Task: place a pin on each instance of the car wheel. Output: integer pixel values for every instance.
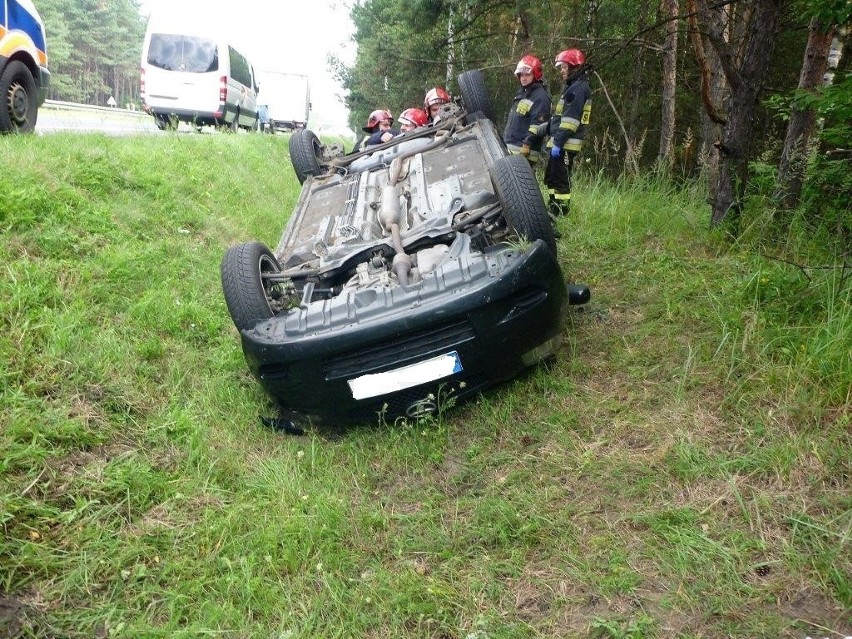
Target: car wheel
(475, 95)
(248, 295)
(306, 152)
(520, 196)
(19, 93)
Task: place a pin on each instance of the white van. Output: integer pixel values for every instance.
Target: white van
(195, 76)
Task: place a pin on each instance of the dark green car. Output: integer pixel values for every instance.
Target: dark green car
(410, 275)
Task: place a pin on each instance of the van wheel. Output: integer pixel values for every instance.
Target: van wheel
(250, 297)
(306, 152)
(19, 94)
(475, 94)
(166, 122)
(523, 204)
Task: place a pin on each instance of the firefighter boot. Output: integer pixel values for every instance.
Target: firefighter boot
(559, 207)
(553, 217)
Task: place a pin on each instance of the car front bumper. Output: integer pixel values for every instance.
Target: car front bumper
(346, 369)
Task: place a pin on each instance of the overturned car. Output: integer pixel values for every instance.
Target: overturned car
(410, 275)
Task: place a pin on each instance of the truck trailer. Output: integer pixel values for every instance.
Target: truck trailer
(287, 97)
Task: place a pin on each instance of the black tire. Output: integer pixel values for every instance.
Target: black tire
(475, 96)
(305, 153)
(19, 95)
(166, 122)
(246, 293)
(523, 204)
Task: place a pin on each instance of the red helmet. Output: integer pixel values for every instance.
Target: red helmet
(571, 57)
(529, 64)
(437, 95)
(379, 115)
(414, 117)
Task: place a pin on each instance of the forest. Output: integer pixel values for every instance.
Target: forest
(93, 49)
(754, 96)
(737, 92)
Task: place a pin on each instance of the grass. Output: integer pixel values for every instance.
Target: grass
(680, 469)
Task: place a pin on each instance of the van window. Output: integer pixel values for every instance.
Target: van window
(183, 53)
(240, 70)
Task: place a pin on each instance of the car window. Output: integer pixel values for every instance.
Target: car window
(239, 67)
(183, 53)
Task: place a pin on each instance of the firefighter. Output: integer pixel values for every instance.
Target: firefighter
(567, 128)
(433, 101)
(530, 111)
(411, 119)
(379, 123)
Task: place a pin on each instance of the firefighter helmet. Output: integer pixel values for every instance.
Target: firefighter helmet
(529, 64)
(377, 116)
(438, 95)
(414, 117)
(571, 57)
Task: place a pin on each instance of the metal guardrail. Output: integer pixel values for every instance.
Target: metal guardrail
(73, 106)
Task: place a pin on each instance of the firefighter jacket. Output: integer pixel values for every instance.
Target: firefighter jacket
(530, 108)
(376, 137)
(572, 114)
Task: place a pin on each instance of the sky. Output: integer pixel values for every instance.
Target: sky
(289, 36)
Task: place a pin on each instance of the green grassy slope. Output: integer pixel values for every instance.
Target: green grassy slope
(681, 469)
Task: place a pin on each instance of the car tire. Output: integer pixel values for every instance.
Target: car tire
(19, 95)
(520, 196)
(305, 153)
(246, 294)
(474, 94)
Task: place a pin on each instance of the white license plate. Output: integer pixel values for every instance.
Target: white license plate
(376, 384)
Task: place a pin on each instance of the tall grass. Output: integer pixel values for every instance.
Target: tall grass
(680, 469)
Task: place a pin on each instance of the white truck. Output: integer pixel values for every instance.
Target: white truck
(287, 97)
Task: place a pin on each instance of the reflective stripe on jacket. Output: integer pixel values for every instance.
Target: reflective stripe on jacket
(572, 115)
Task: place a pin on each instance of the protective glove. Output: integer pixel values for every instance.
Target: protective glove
(525, 151)
(555, 151)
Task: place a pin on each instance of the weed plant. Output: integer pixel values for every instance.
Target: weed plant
(680, 469)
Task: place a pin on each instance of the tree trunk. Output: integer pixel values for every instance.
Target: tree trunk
(638, 86)
(791, 168)
(713, 94)
(745, 65)
(711, 130)
(451, 48)
(667, 125)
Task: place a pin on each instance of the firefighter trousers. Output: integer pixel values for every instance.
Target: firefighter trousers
(557, 179)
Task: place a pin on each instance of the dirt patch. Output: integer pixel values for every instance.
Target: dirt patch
(816, 614)
(11, 611)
